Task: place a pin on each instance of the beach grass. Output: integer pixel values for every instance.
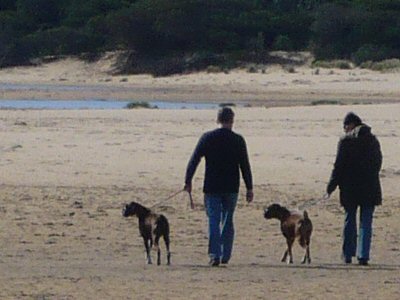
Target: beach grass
(140, 104)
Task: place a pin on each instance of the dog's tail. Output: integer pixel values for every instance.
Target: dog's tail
(305, 230)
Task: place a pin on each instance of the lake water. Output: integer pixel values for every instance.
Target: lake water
(96, 104)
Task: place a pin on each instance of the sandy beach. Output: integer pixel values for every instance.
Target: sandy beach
(270, 85)
(66, 174)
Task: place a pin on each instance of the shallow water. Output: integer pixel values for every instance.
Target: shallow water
(96, 104)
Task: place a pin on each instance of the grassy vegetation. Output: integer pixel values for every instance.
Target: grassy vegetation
(140, 104)
(337, 64)
(384, 65)
(326, 102)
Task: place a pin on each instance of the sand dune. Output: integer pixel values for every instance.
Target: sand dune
(65, 176)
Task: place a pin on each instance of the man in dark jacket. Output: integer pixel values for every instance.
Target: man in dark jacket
(356, 172)
(225, 153)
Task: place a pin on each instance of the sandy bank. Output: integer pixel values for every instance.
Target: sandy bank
(74, 79)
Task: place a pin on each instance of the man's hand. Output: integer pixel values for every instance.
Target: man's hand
(249, 196)
(188, 187)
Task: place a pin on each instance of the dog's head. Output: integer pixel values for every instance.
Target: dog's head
(130, 209)
(273, 211)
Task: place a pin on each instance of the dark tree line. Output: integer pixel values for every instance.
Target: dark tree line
(360, 30)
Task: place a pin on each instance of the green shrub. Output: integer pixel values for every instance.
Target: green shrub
(385, 65)
(214, 69)
(141, 104)
(58, 41)
(252, 69)
(371, 53)
(366, 64)
(289, 69)
(338, 64)
(326, 102)
(282, 42)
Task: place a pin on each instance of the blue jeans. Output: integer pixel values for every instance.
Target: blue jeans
(220, 209)
(350, 232)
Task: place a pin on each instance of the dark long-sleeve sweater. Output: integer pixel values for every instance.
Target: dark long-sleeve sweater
(225, 153)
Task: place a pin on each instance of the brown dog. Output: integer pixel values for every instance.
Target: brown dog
(293, 225)
(150, 224)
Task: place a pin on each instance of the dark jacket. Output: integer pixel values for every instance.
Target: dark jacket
(225, 152)
(356, 169)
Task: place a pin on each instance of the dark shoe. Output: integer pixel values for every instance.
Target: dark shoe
(363, 262)
(346, 260)
(224, 262)
(213, 262)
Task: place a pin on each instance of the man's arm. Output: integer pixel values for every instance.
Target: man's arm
(194, 161)
(245, 168)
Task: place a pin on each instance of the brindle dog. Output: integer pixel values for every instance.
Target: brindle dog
(293, 225)
(150, 224)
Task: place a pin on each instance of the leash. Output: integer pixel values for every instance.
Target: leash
(314, 202)
(172, 196)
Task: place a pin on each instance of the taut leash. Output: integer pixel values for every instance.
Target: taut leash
(166, 199)
(172, 196)
(314, 202)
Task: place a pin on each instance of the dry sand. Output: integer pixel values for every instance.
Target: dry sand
(65, 176)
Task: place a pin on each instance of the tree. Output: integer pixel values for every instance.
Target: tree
(7, 5)
(39, 14)
(333, 32)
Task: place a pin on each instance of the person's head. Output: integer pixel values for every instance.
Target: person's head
(351, 120)
(225, 117)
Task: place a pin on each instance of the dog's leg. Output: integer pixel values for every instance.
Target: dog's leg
(147, 246)
(284, 256)
(166, 240)
(290, 244)
(306, 255)
(156, 244)
(304, 258)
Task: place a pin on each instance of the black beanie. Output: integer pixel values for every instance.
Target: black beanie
(352, 118)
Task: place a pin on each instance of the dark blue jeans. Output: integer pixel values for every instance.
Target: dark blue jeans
(220, 209)
(350, 232)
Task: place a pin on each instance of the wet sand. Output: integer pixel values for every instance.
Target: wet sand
(65, 176)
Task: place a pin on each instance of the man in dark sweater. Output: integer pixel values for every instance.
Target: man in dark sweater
(225, 153)
(356, 172)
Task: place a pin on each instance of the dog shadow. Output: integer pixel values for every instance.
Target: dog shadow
(332, 266)
(320, 266)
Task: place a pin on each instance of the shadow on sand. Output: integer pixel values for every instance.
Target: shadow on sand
(322, 266)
